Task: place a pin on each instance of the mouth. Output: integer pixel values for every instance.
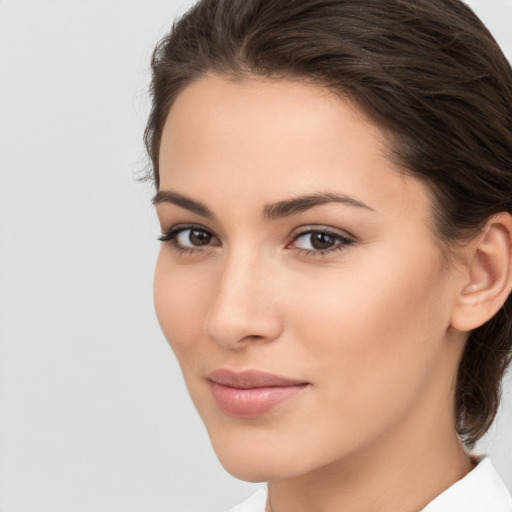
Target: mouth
(251, 393)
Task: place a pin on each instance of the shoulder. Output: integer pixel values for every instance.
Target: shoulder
(254, 503)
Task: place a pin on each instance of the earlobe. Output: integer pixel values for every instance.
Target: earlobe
(488, 276)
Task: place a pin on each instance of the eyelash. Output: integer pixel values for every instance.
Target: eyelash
(342, 241)
(171, 235)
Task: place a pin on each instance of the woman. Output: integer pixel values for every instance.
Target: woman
(334, 191)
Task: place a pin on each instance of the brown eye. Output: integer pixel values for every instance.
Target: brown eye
(198, 237)
(193, 237)
(189, 239)
(321, 241)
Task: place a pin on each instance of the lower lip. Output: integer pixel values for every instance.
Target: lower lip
(251, 403)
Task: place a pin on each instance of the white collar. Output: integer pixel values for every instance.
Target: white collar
(481, 490)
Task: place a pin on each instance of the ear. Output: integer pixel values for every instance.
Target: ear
(487, 278)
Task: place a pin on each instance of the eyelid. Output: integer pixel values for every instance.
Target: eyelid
(344, 241)
(169, 235)
(321, 228)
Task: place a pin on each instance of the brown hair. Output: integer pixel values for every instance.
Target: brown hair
(427, 72)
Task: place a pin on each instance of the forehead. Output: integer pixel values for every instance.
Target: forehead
(269, 139)
(216, 106)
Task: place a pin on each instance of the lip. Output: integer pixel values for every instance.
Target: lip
(251, 393)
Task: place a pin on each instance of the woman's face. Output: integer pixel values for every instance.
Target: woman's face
(294, 248)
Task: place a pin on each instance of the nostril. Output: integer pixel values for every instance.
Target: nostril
(235, 328)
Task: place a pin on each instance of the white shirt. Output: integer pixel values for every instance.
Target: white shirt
(481, 490)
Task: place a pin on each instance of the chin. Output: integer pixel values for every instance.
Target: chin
(248, 472)
(252, 469)
(246, 459)
(258, 457)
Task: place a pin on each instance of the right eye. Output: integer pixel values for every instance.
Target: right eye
(189, 238)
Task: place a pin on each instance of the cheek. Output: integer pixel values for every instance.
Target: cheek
(370, 335)
(179, 304)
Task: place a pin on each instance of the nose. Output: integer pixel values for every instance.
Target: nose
(244, 309)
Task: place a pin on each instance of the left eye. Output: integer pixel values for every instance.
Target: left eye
(320, 241)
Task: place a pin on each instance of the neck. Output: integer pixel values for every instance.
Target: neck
(366, 486)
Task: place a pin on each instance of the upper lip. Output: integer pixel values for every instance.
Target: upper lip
(250, 379)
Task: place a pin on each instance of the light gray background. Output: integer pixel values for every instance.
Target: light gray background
(94, 415)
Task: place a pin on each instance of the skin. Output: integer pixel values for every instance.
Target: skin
(367, 326)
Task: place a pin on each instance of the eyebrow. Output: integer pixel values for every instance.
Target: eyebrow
(299, 204)
(271, 212)
(169, 196)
